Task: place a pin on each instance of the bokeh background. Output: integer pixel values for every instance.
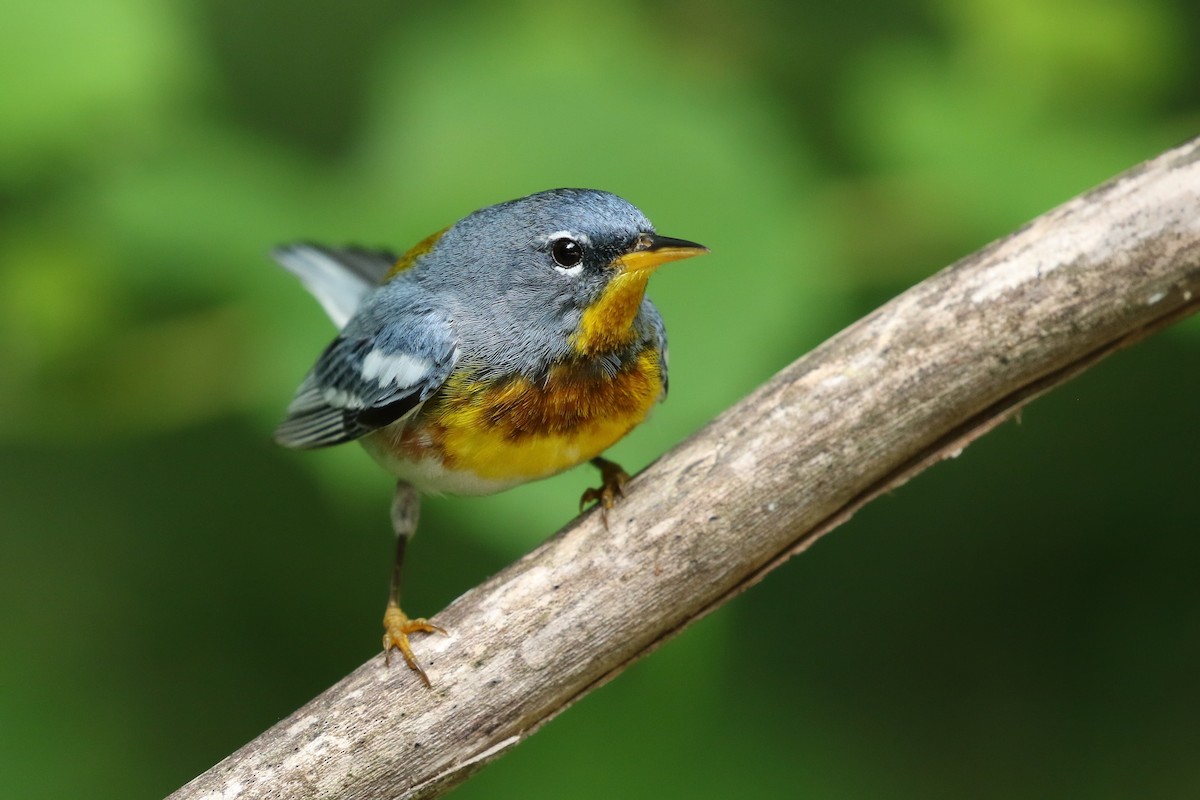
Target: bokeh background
(1022, 621)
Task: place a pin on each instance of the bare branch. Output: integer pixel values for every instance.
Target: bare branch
(910, 384)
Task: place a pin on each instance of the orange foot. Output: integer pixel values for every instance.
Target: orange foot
(612, 486)
(397, 626)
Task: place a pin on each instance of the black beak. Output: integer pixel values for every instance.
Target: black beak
(653, 250)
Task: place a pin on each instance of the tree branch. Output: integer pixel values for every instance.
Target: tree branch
(910, 384)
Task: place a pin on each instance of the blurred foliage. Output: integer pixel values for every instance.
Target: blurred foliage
(1023, 621)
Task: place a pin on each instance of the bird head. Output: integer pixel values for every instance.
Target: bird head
(565, 266)
(583, 254)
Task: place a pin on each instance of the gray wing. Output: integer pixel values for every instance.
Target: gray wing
(387, 361)
(659, 330)
(339, 277)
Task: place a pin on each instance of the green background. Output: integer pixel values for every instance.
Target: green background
(1022, 621)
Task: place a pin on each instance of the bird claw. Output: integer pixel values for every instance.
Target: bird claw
(397, 626)
(612, 486)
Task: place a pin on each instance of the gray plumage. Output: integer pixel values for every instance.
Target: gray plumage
(489, 297)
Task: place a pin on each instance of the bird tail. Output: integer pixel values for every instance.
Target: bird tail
(338, 277)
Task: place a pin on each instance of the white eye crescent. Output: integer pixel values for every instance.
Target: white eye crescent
(567, 250)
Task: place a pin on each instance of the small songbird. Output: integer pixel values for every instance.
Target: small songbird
(514, 344)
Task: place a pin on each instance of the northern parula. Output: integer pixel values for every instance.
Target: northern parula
(510, 346)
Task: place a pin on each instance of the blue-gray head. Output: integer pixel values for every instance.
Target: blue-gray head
(568, 262)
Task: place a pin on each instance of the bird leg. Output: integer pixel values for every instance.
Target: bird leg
(406, 507)
(612, 486)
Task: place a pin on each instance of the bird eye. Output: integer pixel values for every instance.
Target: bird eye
(566, 252)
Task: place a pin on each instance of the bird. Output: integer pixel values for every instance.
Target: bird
(508, 347)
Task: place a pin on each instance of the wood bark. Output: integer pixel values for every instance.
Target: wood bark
(908, 385)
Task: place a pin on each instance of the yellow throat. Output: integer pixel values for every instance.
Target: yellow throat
(607, 324)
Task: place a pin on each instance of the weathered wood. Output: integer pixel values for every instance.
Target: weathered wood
(908, 385)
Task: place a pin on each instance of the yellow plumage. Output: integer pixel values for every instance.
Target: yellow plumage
(514, 430)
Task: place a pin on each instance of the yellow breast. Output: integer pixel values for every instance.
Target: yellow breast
(515, 430)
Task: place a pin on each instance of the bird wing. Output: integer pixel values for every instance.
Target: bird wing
(339, 277)
(658, 330)
(388, 360)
